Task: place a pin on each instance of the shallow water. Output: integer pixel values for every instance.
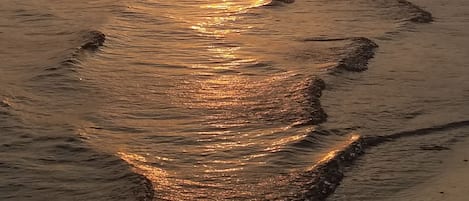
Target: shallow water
(418, 80)
(209, 100)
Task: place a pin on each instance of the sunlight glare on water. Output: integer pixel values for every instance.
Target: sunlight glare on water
(209, 99)
(223, 108)
(202, 132)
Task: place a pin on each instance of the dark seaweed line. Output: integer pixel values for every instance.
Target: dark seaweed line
(377, 140)
(328, 174)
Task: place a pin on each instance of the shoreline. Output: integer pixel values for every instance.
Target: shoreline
(450, 180)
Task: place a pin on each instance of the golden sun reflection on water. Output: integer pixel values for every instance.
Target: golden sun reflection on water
(230, 5)
(162, 179)
(152, 173)
(217, 93)
(333, 153)
(218, 25)
(229, 100)
(222, 14)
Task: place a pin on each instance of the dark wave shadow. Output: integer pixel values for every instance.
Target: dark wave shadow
(90, 41)
(93, 40)
(279, 2)
(355, 59)
(418, 15)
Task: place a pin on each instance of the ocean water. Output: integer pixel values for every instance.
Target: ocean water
(227, 99)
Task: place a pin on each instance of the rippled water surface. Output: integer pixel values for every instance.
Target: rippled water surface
(209, 99)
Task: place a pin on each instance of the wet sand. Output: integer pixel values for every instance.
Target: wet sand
(452, 182)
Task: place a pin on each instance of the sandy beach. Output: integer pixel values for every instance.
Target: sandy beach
(452, 182)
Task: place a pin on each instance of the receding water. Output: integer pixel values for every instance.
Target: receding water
(210, 99)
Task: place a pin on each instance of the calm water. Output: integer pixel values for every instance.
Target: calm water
(208, 99)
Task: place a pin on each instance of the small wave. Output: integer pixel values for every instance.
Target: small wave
(89, 42)
(322, 180)
(357, 60)
(314, 92)
(325, 176)
(279, 2)
(5, 103)
(354, 56)
(93, 40)
(418, 15)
